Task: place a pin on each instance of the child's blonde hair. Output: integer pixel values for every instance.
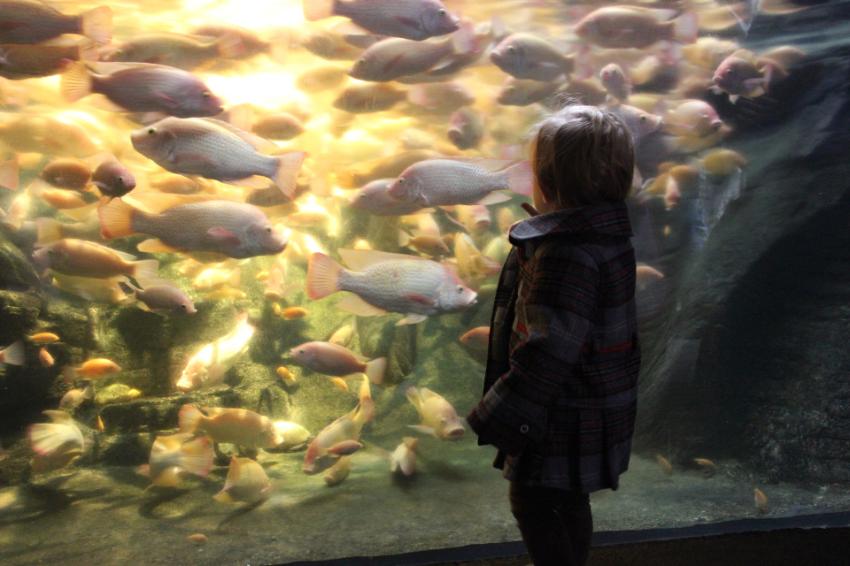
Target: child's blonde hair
(583, 155)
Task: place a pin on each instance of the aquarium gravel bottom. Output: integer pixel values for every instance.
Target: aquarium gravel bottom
(106, 516)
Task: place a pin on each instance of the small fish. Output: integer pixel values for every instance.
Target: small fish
(636, 27)
(235, 426)
(286, 375)
(342, 336)
(443, 182)
(293, 313)
(466, 128)
(743, 74)
(440, 98)
(197, 538)
(692, 118)
(429, 244)
(45, 358)
(384, 167)
(67, 174)
(708, 52)
(477, 338)
(366, 98)
(227, 228)
(56, 444)
(13, 354)
(395, 58)
(113, 179)
(175, 455)
(646, 274)
(321, 78)
(73, 398)
(214, 150)
(87, 259)
(293, 434)
(162, 298)
(336, 360)
(528, 56)
(92, 369)
(410, 19)
(375, 199)
(664, 464)
(723, 162)
(439, 418)
(709, 468)
(28, 21)
(382, 282)
(522, 92)
(99, 425)
(43, 338)
(31, 61)
(280, 126)
(59, 199)
(106, 290)
(217, 276)
(760, 500)
(475, 218)
(175, 50)
(616, 82)
(246, 482)
(337, 473)
(497, 249)
(403, 458)
(340, 383)
(247, 42)
(207, 366)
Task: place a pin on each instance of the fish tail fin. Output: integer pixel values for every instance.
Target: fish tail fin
(116, 219)
(197, 456)
(288, 166)
(14, 354)
(145, 271)
(520, 178)
(686, 28)
(96, 24)
(76, 82)
(223, 497)
(230, 46)
(128, 288)
(10, 174)
(189, 418)
(47, 438)
(89, 51)
(376, 369)
(318, 9)
(49, 230)
(322, 276)
(464, 41)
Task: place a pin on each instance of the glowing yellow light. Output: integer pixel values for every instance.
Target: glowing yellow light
(256, 15)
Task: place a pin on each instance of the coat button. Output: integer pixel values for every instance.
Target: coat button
(524, 429)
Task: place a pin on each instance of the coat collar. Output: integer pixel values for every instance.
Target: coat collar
(607, 218)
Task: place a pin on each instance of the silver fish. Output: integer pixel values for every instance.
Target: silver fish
(522, 92)
(162, 298)
(409, 19)
(374, 198)
(29, 21)
(466, 128)
(526, 56)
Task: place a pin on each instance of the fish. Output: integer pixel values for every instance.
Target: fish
(477, 338)
(708, 52)
(217, 276)
(497, 249)
(505, 218)
(197, 538)
(466, 128)
(321, 78)
(280, 126)
(664, 464)
(235, 426)
(439, 418)
(342, 336)
(67, 173)
(382, 282)
(323, 450)
(45, 357)
(60, 199)
(472, 265)
(709, 468)
(329, 44)
(175, 455)
(375, 199)
(246, 482)
(43, 338)
(440, 97)
(208, 365)
(616, 82)
(410, 19)
(99, 425)
(475, 218)
(383, 168)
(337, 473)
(92, 369)
(56, 444)
(636, 27)
(692, 118)
(340, 383)
(46, 134)
(88, 259)
(429, 244)
(175, 50)
(743, 74)
(106, 290)
(143, 87)
(723, 162)
(641, 124)
(528, 56)
(292, 434)
(522, 92)
(73, 398)
(293, 313)
(113, 179)
(394, 58)
(646, 274)
(403, 458)
(30, 21)
(164, 298)
(760, 500)
(32, 61)
(286, 375)
(366, 98)
(227, 228)
(14, 354)
(444, 182)
(248, 43)
(214, 150)
(336, 360)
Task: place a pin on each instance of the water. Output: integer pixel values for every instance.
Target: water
(743, 336)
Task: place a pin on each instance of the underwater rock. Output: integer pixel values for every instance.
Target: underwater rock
(130, 449)
(16, 271)
(380, 337)
(19, 312)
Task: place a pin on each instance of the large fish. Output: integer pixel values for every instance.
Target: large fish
(30, 21)
(383, 282)
(526, 56)
(336, 360)
(410, 19)
(246, 482)
(208, 365)
(444, 182)
(28, 61)
(375, 199)
(439, 418)
(142, 87)
(55, 444)
(232, 229)
(174, 455)
(215, 150)
(234, 426)
(636, 27)
(176, 50)
(88, 259)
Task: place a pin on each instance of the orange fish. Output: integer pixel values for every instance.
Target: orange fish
(477, 338)
(292, 313)
(664, 464)
(339, 383)
(197, 538)
(44, 338)
(760, 500)
(97, 368)
(286, 375)
(45, 358)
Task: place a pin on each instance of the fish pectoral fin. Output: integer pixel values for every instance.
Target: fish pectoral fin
(424, 430)
(421, 299)
(495, 198)
(411, 319)
(221, 235)
(155, 246)
(355, 305)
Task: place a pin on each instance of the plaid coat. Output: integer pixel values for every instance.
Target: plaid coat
(560, 389)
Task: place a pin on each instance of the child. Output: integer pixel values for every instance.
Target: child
(561, 380)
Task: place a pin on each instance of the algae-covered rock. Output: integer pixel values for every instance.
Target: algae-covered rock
(128, 449)
(380, 337)
(16, 271)
(19, 312)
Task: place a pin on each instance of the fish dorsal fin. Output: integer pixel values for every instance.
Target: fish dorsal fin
(255, 141)
(110, 67)
(359, 260)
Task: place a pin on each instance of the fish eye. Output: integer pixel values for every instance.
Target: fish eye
(460, 289)
(268, 230)
(401, 179)
(301, 351)
(206, 94)
(643, 118)
(441, 11)
(511, 49)
(151, 131)
(184, 307)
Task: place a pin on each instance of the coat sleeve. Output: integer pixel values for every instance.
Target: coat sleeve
(553, 321)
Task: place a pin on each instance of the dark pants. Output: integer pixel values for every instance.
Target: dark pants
(556, 524)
